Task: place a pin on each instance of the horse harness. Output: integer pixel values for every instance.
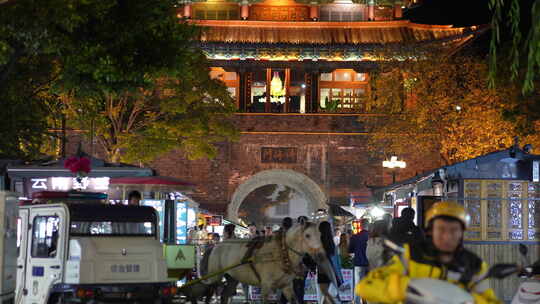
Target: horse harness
(258, 242)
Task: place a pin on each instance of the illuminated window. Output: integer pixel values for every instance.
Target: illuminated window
(500, 210)
(230, 75)
(45, 236)
(343, 76)
(326, 77)
(361, 77)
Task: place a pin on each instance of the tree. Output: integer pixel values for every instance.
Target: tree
(31, 39)
(111, 62)
(523, 51)
(447, 109)
(190, 113)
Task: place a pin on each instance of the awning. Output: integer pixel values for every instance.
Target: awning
(219, 209)
(153, 183)
(337, 210)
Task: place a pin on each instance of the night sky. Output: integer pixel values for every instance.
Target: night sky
(466, 13)
(456, 12)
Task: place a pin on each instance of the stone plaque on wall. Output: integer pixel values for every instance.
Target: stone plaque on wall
(279, 155)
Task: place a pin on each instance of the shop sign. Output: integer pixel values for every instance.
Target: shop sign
(99, 184)
(216, 220)
(279, 155)
(255, 294)
(346, 293)
(180, 256)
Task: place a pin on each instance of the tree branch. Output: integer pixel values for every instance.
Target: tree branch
(8, 67)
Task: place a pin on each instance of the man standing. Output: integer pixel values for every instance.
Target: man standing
(134, 198)
(405, 231)
(357, 248)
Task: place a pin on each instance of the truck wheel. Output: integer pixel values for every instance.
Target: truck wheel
(56, 298)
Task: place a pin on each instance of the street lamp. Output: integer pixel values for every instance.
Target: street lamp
(392, 164)
(437, 183)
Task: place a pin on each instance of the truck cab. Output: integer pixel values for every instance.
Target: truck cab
(71, 249)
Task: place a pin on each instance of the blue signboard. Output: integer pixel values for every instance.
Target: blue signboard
(181, 222)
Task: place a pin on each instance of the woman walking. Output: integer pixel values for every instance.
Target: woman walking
(327, 240)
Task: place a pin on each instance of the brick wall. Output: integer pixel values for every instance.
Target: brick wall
(330, 149)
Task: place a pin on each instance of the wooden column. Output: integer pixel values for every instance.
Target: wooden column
(314, 11)
(187, 10)
(242, 107)
(371, 10)
(287, 83)
(268, 105)
(244, 10)
(398, 12)
(307, 99)
(249, 82)
(314, 91)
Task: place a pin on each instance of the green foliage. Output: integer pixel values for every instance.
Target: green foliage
(125, 71)
(448, 111)
(521, 50)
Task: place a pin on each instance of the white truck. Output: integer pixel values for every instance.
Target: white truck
(65, 249)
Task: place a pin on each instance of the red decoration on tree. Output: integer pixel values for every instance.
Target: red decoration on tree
(78, 165)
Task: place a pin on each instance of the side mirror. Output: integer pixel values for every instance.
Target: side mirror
(501, 271)
(523, 249)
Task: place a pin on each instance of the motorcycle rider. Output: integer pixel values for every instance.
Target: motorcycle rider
(440, 256)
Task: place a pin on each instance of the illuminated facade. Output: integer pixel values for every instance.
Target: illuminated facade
(321, 53)
(301, 77)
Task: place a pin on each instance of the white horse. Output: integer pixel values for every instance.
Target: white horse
(274, 264)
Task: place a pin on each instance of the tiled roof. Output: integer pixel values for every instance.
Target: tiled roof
(270, 32)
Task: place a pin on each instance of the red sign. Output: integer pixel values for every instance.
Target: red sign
(216, 220)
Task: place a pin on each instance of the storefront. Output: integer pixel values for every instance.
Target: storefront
(500, 191)
(27, 179)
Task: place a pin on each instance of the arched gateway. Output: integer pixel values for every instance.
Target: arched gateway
(303, 184)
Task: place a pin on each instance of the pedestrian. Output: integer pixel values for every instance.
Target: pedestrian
(215, 238)
(252, 230)
(268, 231)
(337, 236)
(327, 241)
(375, 245)
(228, 232)
(387, 218)
(357, 248)
(404, 230)
(286, 223)
(134, 198)
(344, 249)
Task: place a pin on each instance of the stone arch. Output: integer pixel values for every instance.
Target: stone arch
(298, 181)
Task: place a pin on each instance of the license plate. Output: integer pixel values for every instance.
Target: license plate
(115, 295)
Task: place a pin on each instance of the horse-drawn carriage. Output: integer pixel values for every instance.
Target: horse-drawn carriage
(269, 263)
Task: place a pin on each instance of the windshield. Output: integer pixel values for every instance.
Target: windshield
(112, 220)
(106, 228)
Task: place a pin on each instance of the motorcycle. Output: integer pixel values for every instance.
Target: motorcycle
(529, 290)
(433, 291)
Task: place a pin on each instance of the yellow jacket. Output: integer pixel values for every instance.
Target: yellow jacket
(387, 284)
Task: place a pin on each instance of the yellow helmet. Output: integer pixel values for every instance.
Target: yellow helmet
(450, 209)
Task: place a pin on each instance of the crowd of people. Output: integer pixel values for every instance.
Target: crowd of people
(434, 250)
